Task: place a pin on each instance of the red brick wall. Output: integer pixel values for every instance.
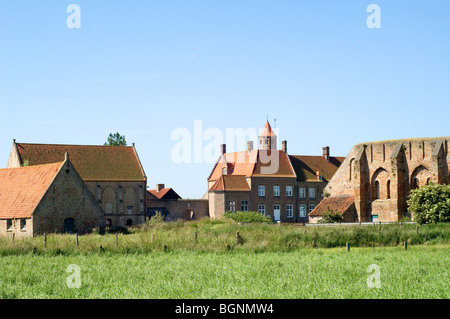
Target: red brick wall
(182, 208)
(398, 162)
(269, 200)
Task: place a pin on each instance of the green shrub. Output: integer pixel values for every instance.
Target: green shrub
(331, 216)
(248, 217)
(430, 204)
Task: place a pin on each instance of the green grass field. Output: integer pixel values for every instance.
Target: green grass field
(420, 272)
(273, 262)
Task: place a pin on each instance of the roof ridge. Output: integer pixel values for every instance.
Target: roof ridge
(215, 165)
(33, 166)
(88, 145)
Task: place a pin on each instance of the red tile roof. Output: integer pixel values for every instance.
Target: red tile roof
(339, 204)
(267, 130)
(93, 163)
(273, 163)
(253, 164)
(21, 189)
(306, 167)
(165, 193)
(230, 183)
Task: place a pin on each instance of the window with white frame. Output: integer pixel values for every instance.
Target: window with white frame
(312, 193)
(9, 226)
(262, 209)
(261, 190)
(232, 206)
(302, 210)
(276, 191)
(311, 207)
(289, 211)
(289, 191)
(302, 192)
(244, 206)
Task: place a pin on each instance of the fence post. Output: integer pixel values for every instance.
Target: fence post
(417, 229)
(406, 245)
(12, 236)
(76, 239)
(348, 246)
(195, 237)
(239, 239)
(45, 240)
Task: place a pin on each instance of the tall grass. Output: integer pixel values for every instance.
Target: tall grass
(220, 235)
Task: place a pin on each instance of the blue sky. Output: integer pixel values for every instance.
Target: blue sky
(146, 68)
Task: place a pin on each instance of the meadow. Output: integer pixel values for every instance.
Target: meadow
(420, 272)
(202, 259)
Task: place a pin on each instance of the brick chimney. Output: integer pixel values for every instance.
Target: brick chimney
(326, 152)
(318, 176)
(250, 146)
(284, 146)
(223, 149)
(66, 159)
(159, 187)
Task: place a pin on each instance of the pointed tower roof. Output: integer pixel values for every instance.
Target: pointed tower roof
(267, 130)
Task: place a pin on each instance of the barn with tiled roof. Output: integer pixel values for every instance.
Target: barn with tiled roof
(44, 199)
(113, 174)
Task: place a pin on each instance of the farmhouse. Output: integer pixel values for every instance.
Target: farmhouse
(45, 199)
(113, 174)
(284, 187)
(375, 179)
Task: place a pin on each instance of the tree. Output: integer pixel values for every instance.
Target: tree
(116, 140)
(430, 204)
(331, 216)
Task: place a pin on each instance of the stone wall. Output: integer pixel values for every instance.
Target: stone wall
(67, 197)
(380, 175)
(122, 202)
(16, 227)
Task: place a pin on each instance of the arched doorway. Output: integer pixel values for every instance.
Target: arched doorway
(420, 177)
(69, 225)
(380, 184)
(129, 222)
